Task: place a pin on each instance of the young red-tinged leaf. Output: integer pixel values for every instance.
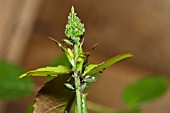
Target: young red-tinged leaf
(100, 67)
(48, 71)
(54, 97)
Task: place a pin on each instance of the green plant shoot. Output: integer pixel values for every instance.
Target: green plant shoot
(78, 75)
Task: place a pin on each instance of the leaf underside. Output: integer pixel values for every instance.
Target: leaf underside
(54, 97)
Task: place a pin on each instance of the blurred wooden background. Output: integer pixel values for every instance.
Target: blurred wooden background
(139, 27)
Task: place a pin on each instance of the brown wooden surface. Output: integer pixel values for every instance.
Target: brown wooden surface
(17, 20)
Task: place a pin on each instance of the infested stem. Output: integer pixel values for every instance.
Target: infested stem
(77, 82)
(78, 93)
(74, 31)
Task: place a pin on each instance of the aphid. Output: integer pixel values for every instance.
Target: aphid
(100, 71)
(68, 42)
(89, 79)
(83, 86)
(48, 75)
(68, 85)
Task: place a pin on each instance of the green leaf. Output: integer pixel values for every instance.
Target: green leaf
(30, 108)
(48, 71)
(144, 90)
(60, 60)
(54, 97)
(89, 68)
(80, 61)
(68, 52)
(94, 69)
(11, 87)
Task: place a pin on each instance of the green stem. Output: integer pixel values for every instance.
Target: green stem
(77, 79)
(78, 93)
(76, 50)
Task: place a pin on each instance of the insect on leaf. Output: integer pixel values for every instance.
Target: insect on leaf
(48, 71)
(94, 69)
(84, 106)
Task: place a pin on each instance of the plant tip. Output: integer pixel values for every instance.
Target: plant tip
(72, 9)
